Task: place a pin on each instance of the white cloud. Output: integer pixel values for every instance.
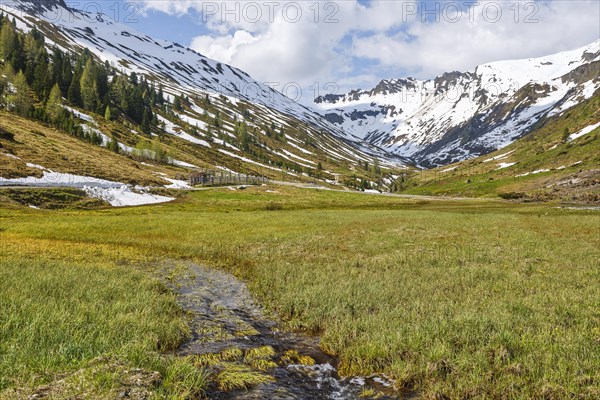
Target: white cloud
(222, 48)
(172, 7)
(273, 48)
(445, 46)
(297, 46)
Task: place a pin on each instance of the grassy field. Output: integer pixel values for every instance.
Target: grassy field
(462, 299)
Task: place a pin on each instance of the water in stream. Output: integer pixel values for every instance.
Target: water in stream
(225, 317)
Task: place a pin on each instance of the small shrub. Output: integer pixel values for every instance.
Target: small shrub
(6, 135)
(273, 207)
(512, 195)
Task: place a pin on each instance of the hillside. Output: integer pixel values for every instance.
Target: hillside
(462, 115)
(159, 104)
(560, 160)
(101, 95)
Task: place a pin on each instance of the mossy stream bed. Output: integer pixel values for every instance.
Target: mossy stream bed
(249, 357)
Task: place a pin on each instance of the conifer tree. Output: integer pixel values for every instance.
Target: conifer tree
(56, 66)
(146, 119)
(21, 100)
(3, 85)
(133, 78)
(42, 76)
(54, 103)
(66, 75)
(88, 86)
(101, 78)
(160, 97)
(566, 134)
(9, 42)
(74, 91)
(135, 105)
(177, 103)
(376, 167)
(113, 145)
(160, 154)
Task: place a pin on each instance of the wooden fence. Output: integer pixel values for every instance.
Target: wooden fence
(209, 178)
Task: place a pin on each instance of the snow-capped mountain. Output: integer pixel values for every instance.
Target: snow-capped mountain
(182, 71)
(461, 115)
(133, 51)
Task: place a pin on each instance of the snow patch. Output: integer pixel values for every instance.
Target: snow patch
(176, 184)
(583, 132)
(175, 130)
(192, 121)
(247, 160)
(184, 164)
(447, 169)
(505, 165)
(79, 114)
(116, 194)
(500, 157)
(125, 196)
(58, 179)
(539, 171)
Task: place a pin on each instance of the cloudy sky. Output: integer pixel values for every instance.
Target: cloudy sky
(356, 43)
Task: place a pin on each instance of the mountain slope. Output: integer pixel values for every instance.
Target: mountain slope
(559, 160)
(463, 115)
(284, 137)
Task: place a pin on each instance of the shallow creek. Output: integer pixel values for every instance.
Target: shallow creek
(225, 317)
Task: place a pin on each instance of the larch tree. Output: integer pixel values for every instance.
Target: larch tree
(88, 86)
(21, 100)
(9, 42)
(54, 103)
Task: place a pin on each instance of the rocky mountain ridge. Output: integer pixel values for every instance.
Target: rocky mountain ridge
(461, 115)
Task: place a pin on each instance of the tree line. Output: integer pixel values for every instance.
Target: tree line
(35, 83)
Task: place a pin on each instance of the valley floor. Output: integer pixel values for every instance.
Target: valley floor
(454, 299)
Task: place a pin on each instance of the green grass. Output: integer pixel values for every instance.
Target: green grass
(50, 198)
(80, 327)
(479, 299)
(36, 143)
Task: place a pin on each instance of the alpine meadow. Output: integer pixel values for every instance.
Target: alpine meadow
(180, 221)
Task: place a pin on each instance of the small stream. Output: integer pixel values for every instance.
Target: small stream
(581, 207)
(225, 317)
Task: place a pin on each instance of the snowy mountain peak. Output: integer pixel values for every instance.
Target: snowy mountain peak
(460, 115)
(38, 6)
(179, 68)
(217, 96)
